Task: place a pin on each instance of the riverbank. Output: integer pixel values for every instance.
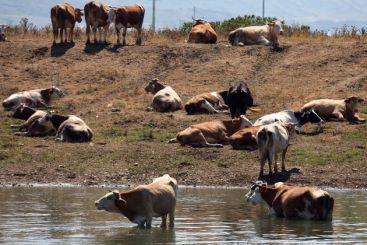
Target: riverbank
(129, 145)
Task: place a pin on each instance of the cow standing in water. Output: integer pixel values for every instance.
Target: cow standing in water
(64, 16)
(127, 17)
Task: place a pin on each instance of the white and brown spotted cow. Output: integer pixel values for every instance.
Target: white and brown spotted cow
(33, 98)
(338, 109)
(141, 204)
(202, 32)
(210, 134)
(68, 128)
(265, 35)
(64, 16)
(165, 99)
(127, 17)
(293, 201)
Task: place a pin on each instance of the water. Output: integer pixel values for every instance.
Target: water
(68, 216)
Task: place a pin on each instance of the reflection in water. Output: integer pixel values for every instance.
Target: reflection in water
(68, 215)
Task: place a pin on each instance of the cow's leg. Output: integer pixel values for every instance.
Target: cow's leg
(100, 34)
(105, 30)
(164, 221)
(172, 218)
(209, 107)
(262, 163)
(95, 34)
(149, 222)
(264, 41)
(338, 115)
(88, 34)
(118, 36)
(56, 33)
(276, 163)
(61, 35)
(124, 36)
(283, 158)
(138, 39)
(270, 162)
(71, 34)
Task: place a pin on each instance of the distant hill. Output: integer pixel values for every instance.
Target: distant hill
(172, 13)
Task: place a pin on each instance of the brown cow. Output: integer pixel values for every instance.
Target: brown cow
(96, 16)
(202, 32)
(141, 204)
(245, 138)
(212, 102)
(127, 17)
(64, 16)
(210, 134)
(293, 201)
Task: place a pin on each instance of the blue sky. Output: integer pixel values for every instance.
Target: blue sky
(319, 14)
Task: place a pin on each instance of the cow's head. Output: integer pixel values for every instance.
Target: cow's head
(56, 93)
(154, 86)
(254, 195)
(111, 15)
(110, 202)
(198, 22)
(276, 26)
(78, 15)
(309, 116)
(352, 103)
(23, 112)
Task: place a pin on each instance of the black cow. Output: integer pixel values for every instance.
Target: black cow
(239, 99)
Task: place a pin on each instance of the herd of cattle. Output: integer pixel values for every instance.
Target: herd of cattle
(270, 134)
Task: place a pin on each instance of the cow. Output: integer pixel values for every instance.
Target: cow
(64, 16)
(3, 29)
(165, 98)
(141, 204)
(245, 138)
(96, 17)
(273, 139)
(202, 32)
(213, 102)
(127, 17)
(288, 116)
(210, 134)
(68, 128)
(339, 109)
(239, 99)
(293, 202)
(265, 35)
(33, 98)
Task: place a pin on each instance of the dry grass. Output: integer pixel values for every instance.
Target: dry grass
(129, 146)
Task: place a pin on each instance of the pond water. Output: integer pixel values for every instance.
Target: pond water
(203, 215)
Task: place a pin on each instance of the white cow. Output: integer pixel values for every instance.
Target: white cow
(273, 139)
(165, 98)
(265, 35)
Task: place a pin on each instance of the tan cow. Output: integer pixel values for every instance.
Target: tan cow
(293, 201)
(64, 16)
(339, 109)
(212, 102)
(202, 32)
(245, 138)
(265, 35)
(273, 139)
(3, 29)
(96, 17)
(141, 204)
(33, 98)
(126, 17)
(165, 98)
(210, 134)
(68, 128)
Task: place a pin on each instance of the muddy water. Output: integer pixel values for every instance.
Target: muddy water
(68, 216)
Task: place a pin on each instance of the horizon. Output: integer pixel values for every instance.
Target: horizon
(321, 15)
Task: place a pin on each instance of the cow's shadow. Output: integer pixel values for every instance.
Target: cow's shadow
(280, 177)
(115, 48)
(94, 48)
(59, 49)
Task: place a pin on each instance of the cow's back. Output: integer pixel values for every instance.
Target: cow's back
(63, 15)
(132, 15)
(166, 99)
(202, 33)
(163, 196)
(325, 107)
(282, 116)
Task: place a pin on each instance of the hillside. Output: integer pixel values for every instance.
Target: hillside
(130, 145)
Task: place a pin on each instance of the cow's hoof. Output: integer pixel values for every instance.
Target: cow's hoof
(87, 42)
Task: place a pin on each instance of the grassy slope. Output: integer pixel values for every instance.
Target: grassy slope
(129, 146)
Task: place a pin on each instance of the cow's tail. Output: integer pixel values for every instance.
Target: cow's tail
(264, 137)
(325, 205)
(142, 13)
(232, 37)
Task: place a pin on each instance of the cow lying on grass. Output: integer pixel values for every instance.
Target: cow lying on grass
(265, 35)
(144, 202)
(245, 138)
(33, 98)
(339, 109)
(212, 102)
(210, 134)
(273, 139)
(165, 99)
(68, 128)
(293, 201)
(202, 32)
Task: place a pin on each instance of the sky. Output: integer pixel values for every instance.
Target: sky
(319, 14)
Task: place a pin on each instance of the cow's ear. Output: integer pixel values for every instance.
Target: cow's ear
(121, 202)
(282, 22)
(347, 100)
